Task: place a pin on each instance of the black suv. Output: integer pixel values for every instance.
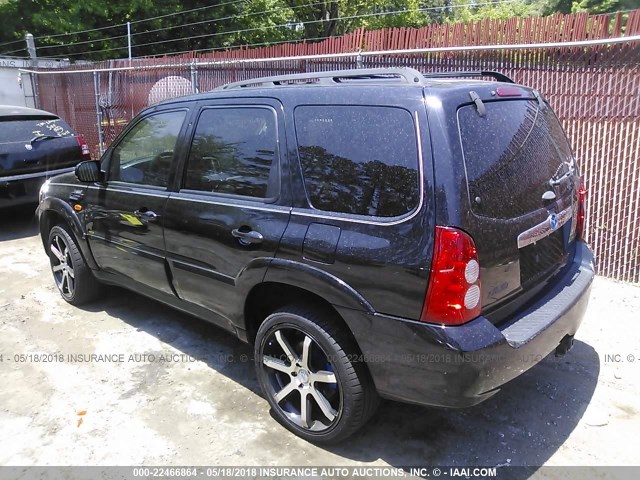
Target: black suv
(34, 145)
(374, 233)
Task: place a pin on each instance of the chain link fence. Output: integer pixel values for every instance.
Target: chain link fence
(593, 85)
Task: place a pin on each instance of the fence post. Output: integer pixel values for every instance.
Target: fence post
(28, 83)
(129, 40)
(96, 89)
(194, 78)
(33, 61)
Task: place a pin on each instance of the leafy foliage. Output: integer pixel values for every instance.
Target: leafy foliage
(604, 6)
(465, 13)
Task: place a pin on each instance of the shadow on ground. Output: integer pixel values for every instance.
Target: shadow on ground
(523, 425)
(18, 222)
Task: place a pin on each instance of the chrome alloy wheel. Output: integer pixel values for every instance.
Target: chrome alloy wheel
(301, 379)
(62, 265)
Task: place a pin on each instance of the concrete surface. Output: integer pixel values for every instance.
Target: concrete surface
(197, 402)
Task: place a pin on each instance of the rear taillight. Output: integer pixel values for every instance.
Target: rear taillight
(453, 294)
(580, 217)
(86, 153)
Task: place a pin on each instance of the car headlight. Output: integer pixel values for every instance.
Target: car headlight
(43, 190)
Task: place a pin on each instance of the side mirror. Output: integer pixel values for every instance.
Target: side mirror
(89, 171)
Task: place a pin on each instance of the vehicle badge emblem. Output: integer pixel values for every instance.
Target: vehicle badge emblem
(553, 221)
(28, 146)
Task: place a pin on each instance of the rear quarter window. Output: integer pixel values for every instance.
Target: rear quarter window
(358, 159)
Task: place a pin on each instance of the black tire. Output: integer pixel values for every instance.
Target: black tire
(331, 372)
(72, 276)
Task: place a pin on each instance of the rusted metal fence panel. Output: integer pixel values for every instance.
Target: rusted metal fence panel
(593, 87)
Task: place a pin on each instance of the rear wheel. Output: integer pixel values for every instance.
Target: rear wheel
(71, 274)
(309, 371)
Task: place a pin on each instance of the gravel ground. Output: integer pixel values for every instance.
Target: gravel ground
(186, 394)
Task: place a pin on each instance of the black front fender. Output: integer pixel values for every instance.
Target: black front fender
(52, 211)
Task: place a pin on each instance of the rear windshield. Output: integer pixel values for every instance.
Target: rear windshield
(23, 130)
(513, 155)
(359, 159)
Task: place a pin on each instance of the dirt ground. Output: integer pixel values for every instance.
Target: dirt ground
(185, 393)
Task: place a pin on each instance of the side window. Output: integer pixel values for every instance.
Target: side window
(234, 152)
(145, 155)
(358, 159)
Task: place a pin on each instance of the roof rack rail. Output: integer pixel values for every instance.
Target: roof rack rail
(487, 73)
(408, 75)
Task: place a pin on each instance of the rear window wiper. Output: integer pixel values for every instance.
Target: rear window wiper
(475, 98)
(571, 170)
(37, 138)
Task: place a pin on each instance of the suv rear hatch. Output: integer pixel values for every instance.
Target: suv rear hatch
(522, 183)
(37, 143)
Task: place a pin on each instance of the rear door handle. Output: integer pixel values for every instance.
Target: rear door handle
(146, 214)
(247, 238)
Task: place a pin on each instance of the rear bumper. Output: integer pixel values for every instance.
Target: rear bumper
(461, 366)
(24, 188)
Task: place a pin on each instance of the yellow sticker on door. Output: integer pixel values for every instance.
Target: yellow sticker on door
(131, 219)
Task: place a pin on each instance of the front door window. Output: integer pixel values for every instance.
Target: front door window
(145, 155)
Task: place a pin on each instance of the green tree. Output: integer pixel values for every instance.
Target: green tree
(51, 21)
(264, 22)
(549, 7)
(604, 6)
(336, 17)
(463, 11)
